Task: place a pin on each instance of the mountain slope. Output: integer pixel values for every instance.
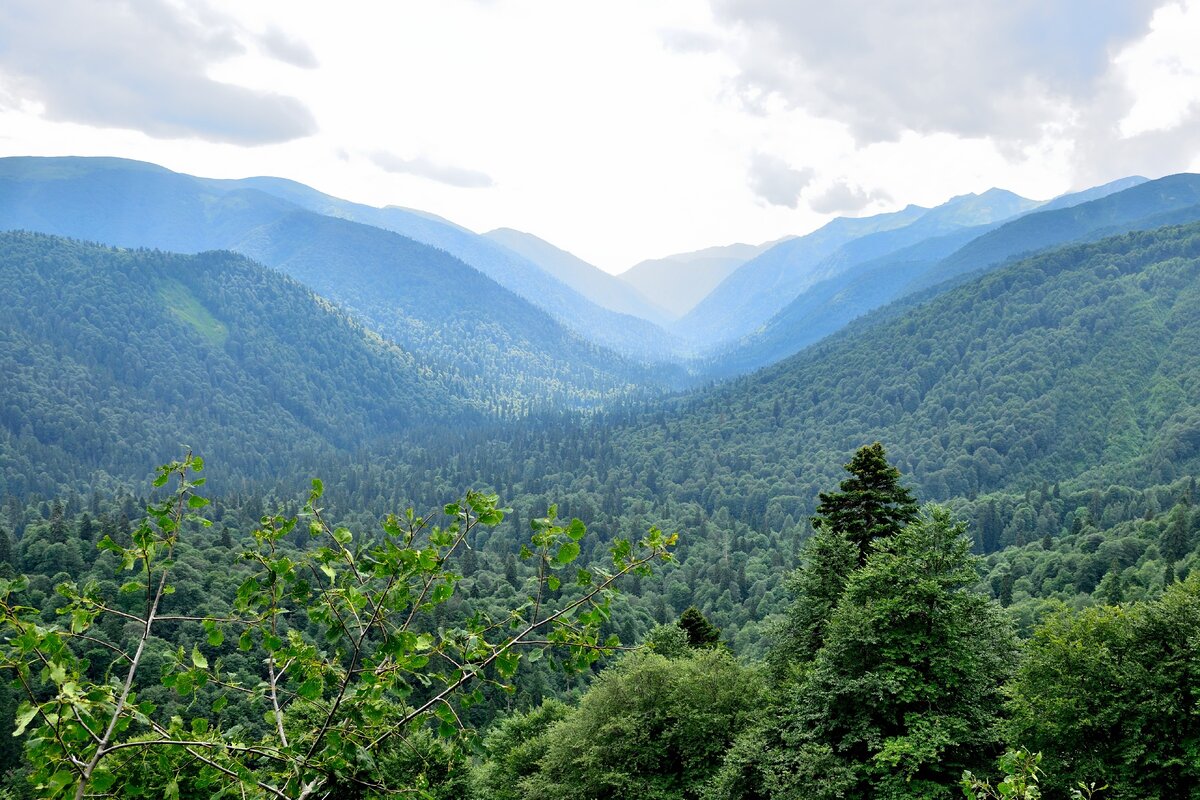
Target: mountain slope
(504, 351)
(619, 331)
(681, 281)
(829, 305)
(593, 283)
(1109, 215)
(764, 286)
(1078, 364)
(756, 290)
(115, 358)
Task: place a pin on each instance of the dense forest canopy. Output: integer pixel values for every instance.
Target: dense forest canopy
(814, 631)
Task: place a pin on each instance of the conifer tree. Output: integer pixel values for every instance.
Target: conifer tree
(700, 632)
(871, 503)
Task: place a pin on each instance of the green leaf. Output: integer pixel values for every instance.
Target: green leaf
(506, 663)
(198, 658)
(553, 582)
(24, 718)
(220, 704)
(196, 501)
(310, 689)
(102, 780)
(576, 529)
(567, 553)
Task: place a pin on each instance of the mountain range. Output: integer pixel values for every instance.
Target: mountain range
(546, 327)
(997, 348)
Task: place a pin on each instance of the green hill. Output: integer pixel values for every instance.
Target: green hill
(1078, 366)
(114, 359)
(504, 353)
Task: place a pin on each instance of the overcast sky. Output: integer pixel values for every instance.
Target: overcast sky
(623, 129)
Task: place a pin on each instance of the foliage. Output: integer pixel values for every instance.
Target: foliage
(668, 640)
(648, 727)
(1109, 694)
(336, 704)
(700, 632)
(514, 747)
(870, 505)
(905, 692)
(1022, 774)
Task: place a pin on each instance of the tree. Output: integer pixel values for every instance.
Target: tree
(649, 728)
(1175, 538)
(700, 632)
(7, 557)
(346, 662)
(905, 693)
(817, 586)
(514, 747)
(1109, 694)
(870, 505)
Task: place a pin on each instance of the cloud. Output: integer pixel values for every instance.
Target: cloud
(424, 168)
(967, 67)
(282, 47)
(142, 64)
(681, 40)
(842, 198)
(775, 181)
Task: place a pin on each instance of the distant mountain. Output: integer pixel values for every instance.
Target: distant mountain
(113, 360)
(1094, 193)
(1112, 214)
(1075, 365)
(595, 284)
(505, 353)
(832, 303)
(791, 268)
(620, 331)
(756, 290)
(679, 282)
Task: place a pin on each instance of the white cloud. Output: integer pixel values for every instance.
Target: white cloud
(141, 64)
(775, 181)
(842, 198)
(968, 67)
(424, 168)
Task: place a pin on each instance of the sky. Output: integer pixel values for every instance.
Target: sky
(621, 130)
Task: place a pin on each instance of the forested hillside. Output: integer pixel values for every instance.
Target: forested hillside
(1051, 403)
(509, 354)
(114, 358)
(1076, 364)
(903, 263)
(567, 302)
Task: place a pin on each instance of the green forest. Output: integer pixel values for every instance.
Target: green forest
(317, 659)
(950, 550)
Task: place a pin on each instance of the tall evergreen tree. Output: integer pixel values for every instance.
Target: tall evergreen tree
(700, 632)
(905, 693)
(828, 559)
(6, 551)
(871, 503)
(1175, 537)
